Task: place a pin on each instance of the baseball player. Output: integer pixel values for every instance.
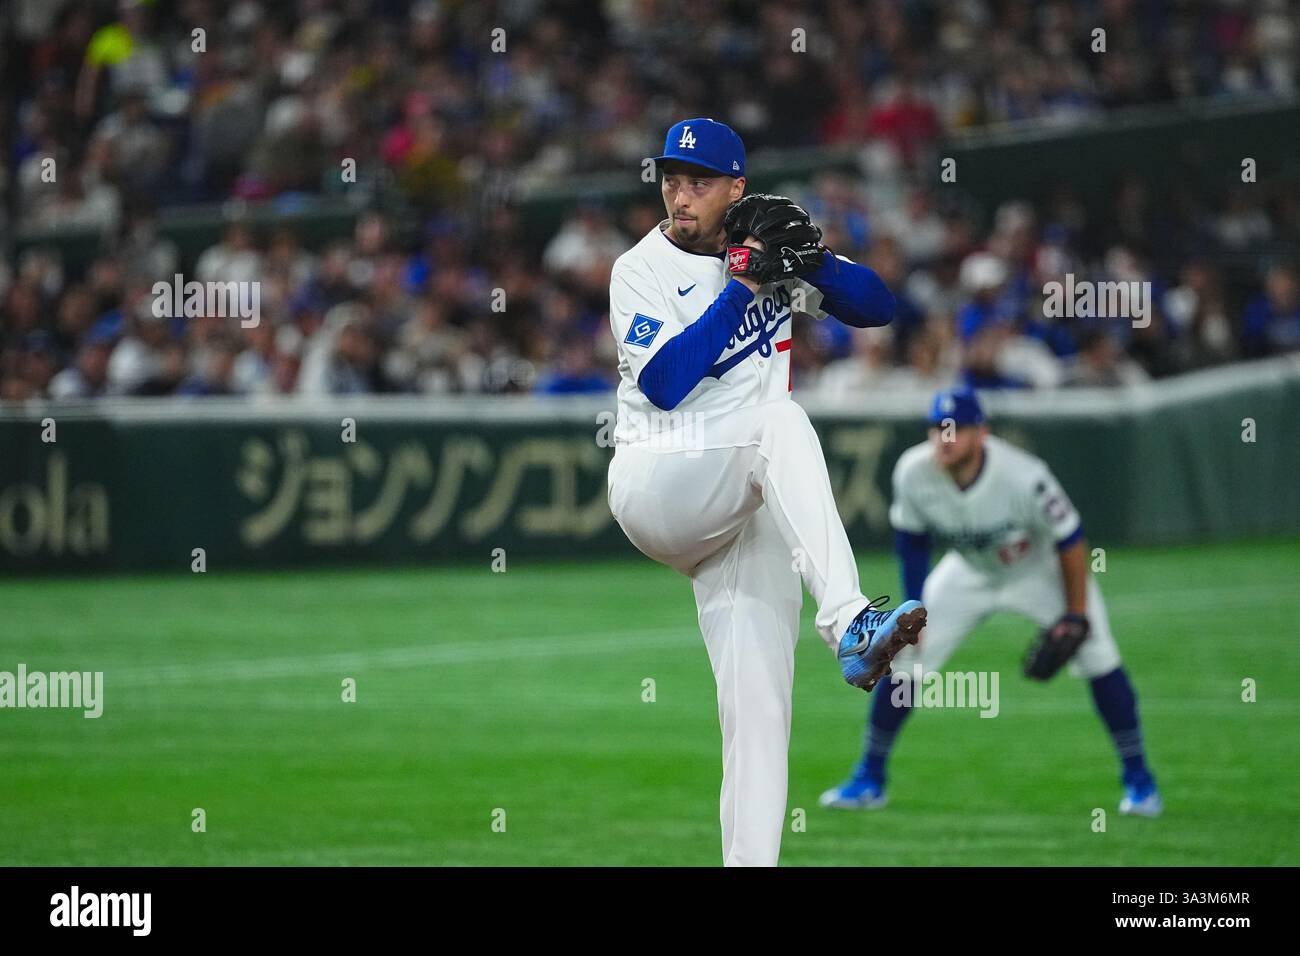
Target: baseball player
(718, 474)
(1016, 544)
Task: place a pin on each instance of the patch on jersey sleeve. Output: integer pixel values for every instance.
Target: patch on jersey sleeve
(643, 331)
(1056, 506)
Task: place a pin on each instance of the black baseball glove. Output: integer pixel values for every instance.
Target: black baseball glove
(792, 245)
(1055, 645)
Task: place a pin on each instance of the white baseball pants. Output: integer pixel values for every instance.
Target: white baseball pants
(745, 522)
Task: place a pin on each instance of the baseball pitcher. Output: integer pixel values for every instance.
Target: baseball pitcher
(719, 474)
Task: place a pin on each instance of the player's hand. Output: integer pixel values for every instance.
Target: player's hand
(769, 238)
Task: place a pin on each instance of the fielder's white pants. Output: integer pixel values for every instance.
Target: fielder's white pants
(746, 522)
(957, 597)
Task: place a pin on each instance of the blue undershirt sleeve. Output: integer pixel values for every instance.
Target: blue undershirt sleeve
(852, 293)
(682, 362)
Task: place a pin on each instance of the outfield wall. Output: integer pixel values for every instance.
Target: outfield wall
(142, 483)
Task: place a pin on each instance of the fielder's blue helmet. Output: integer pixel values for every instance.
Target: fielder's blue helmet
(958, 404)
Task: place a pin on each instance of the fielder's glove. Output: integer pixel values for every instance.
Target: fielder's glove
(1055, 645)
(792, 245)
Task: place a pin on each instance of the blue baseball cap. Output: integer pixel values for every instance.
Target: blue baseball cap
(706, 143)
(959, 404)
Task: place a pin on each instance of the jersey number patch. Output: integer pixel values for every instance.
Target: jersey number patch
(643, 331)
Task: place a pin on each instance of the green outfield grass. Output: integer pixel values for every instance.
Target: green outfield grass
(522, 691)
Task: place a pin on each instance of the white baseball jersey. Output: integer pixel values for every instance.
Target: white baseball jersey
(1009, 519)
(656, 290)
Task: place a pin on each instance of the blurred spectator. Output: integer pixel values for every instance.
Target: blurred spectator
(88, 376)
(1199, 313)
(1273, 318)
(930, 366)
(253, 370)
(589, 237)
(489, 365)
(341, 358)
(138, 358)
(428, 351)
(215, 376)
(887, 259)
(983, 276)
(918, 227)
(867, 369)
(1102, 363)
(997, 354)
(126, 53)
(233, 259)
(140, 151)
(151, 255)
(577, 370)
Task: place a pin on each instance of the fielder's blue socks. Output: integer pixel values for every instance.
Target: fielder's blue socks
(882, 728)
(1117, 704)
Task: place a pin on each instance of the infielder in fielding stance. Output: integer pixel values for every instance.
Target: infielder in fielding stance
(718, 474)
(1016, 545)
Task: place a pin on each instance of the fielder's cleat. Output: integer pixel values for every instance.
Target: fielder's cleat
(857, 794)
(874, 639)
(1141, 799)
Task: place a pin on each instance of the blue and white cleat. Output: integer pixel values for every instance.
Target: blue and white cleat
(857, 794)
(1141, 799)
(874, 639)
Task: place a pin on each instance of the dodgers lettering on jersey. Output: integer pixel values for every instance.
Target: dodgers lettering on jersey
(1009, 519)
(656, 290)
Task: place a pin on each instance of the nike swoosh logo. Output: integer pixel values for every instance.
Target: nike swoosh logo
(687, 289)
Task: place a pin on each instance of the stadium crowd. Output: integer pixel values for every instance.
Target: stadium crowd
(280, 94)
